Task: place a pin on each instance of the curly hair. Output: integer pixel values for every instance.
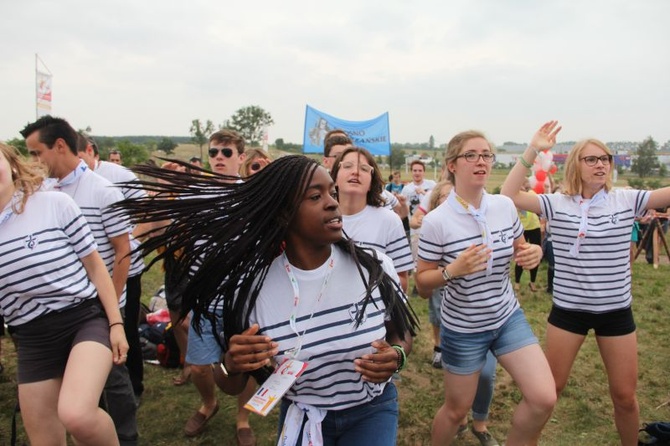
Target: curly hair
(26, 175)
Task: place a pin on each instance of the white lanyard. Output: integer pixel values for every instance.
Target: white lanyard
(293, 353)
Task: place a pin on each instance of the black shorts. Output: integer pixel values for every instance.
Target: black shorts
(612, 323)
(44, 344)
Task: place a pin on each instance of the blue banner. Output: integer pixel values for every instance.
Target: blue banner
(372, 135)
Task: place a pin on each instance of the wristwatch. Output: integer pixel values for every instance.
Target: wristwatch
(445, 275)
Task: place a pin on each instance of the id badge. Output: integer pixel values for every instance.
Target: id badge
(275, 387)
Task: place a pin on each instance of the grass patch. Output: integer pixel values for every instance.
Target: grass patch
(582, 416)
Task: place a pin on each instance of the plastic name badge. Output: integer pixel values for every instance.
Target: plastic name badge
(275, 387)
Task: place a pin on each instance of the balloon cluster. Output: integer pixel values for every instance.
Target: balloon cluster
(542, 168)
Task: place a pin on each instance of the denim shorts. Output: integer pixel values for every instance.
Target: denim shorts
(374, 423)
(204, 348)
(465, 353)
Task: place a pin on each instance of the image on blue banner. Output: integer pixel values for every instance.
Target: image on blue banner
(318, 132)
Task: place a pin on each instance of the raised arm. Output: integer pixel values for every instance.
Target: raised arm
(544, 139)
(659, 198)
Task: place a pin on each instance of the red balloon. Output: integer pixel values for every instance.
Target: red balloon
(554, 169)
(540, 176)
(539, 187)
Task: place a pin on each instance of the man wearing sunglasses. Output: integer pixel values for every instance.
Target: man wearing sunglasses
(226, 152)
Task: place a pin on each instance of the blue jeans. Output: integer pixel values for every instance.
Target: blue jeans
(485, 387)
(374, 423)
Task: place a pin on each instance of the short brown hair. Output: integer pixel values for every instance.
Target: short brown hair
(227, 136)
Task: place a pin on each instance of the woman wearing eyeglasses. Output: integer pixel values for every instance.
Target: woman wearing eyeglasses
(365, 220)
(590, 224)
(466, 245)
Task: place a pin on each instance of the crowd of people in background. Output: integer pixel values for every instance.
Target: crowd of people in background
(306, 266)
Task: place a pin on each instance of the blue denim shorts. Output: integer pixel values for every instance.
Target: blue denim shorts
(203, 348)
(465, 353)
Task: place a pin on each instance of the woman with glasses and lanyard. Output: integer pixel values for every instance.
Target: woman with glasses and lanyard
(590, 224)
(466, 245)
(365, 220)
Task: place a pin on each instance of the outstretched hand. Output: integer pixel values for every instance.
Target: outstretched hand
(379, 366)
(249, 351)
(545, 137)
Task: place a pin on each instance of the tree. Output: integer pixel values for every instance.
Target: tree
(249, 122)
(431, 142)
(166, 145)
(132, 154)
(200, 133)
(397, 158)
(646, 160)
(19, 144)
(279, 143)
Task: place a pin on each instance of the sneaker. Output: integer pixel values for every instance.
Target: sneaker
(437, 360)
(485, 438)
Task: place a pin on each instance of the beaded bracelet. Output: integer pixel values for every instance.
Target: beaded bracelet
(524, 163)
(115, 323)
(402, 356)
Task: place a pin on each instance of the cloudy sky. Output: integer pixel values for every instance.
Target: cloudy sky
(438, 67)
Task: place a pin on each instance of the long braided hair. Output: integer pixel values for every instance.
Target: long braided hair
(230, 233)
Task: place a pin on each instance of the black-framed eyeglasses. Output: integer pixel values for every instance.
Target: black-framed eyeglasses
(214, 151)
(592, 160)
(473, 157)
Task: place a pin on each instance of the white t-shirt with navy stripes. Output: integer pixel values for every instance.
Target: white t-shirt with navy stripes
(40, 252)
(381, 229)
(118, 174)
(332, 340)
(476, 302)
(598, 279)
(94, 194)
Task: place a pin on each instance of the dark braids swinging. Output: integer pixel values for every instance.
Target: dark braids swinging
(230, 233)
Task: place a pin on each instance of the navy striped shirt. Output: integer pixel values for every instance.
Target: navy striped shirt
(40, 252)
(476, 302)
(598, 279)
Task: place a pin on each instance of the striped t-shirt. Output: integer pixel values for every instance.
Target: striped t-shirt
(94, 194)
(40, 252)
(117, 174)
(381, 229)
(598, 279)
(476, 302)
(331, 340)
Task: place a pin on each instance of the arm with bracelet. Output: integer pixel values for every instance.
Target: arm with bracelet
(544, 139)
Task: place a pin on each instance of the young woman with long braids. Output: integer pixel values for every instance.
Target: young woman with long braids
(590, 225)
(59, 301)
(293, 287)
(466, 246)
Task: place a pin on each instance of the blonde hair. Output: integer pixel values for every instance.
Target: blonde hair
(252, 156)
(26, 175)
(455, 146)
(436, 194)
(572, 181)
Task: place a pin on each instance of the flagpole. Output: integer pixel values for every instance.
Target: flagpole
(36, 88)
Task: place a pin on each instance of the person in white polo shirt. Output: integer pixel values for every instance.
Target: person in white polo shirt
(465, 247)
(61, 306)
(590, 230)
(54, 143)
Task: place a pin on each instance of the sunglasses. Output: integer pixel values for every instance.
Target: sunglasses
(255, 166)
(213, 152)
